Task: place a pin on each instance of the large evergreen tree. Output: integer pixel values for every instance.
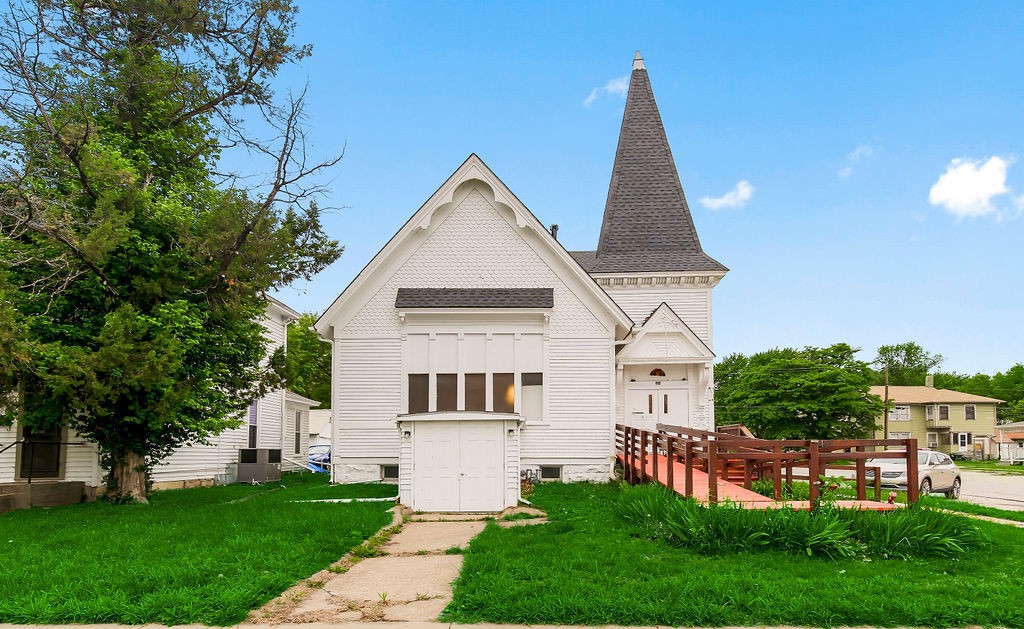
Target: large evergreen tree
(133, 272)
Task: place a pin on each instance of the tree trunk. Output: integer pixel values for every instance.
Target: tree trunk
(130, 477)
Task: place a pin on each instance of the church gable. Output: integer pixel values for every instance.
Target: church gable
(665, 338)
(473, 234)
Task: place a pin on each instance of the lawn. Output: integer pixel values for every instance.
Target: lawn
(584, 567)
(191, 556)
(996, 467)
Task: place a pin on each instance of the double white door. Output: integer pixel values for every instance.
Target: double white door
(648, 405)
(458, 466)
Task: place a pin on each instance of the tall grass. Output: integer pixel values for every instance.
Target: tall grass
(655, 512)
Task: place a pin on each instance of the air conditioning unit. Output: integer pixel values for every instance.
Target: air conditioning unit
(259, 465)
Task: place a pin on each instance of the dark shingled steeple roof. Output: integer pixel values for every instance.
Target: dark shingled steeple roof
(647, 225)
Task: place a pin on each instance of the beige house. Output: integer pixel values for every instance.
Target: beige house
(947, 421)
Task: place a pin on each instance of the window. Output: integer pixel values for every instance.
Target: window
(963, 439)
(658, 372)
(933, 440)
(533, 396)
(550, 472)
(389, 472)
(476, 392)
(298, 432)
(40, 453)
(504, 392)
(447, 391)
(969, 411)
(943, 412)
(253, 424)
(899, 435)
(929, 413)
(899, 414)
(419, 393)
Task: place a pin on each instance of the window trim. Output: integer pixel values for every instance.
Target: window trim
(941, 418)
(974, 412)
(897, 410)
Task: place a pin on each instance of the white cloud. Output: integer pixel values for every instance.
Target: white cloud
(854, 157)
(737, 197)
(968, 186)
(615, 87)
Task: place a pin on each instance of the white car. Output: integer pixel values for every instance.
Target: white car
(936, 472)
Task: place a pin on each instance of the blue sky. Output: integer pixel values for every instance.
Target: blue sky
(880, 145)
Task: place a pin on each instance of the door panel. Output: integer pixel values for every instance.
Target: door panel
(642, 408)
(459, 466)
(648, 406)
(675, 407)
(481, 466)
(435, 467)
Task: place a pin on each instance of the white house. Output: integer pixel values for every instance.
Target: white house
(278, 421)
(473, 347)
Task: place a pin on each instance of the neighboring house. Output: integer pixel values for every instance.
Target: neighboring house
(320, 427)
(1010, 439)
(947, 421)
(269, 423)
(473, 347)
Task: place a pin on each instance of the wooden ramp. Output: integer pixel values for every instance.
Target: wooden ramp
(730, 491)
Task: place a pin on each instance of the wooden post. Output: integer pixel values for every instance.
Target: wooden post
(627, 452)
(656, 437)
(746, 473)
(670, 452)
(777, 473)
(812, 468)
(688, 467)
(643, 455)
(712, 471)
(862, 490)
(913, 488)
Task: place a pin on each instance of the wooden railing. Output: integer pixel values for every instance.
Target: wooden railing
(743, 460)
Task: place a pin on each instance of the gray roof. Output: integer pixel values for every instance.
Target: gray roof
(475, 298)
(584, 258)
(647, 224)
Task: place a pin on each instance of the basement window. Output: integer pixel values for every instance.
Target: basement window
(551, 472)
(389, 473)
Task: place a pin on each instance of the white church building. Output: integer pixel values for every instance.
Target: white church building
(473, 347)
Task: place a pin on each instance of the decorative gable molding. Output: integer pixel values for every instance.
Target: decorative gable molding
(665, 338)
(661, 280)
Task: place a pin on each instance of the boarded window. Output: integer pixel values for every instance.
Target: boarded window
(944, 413)
(969, 412)
(419, 392)
(504, 393)
(533, 396)
(476, 392)
(447, 392)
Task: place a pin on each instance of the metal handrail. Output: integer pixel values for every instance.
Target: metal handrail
(32, 451)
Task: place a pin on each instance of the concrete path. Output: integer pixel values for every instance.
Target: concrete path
(409, 580)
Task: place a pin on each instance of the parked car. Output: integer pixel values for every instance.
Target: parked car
(320, 455)
(936, 472)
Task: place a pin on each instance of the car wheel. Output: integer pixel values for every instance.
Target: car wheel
(926, 487)
(954, 491)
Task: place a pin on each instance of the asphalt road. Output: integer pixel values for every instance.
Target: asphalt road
(1003, 491)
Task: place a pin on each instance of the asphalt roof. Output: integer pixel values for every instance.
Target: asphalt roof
(647, 224)
(930, 395)
(475, 298)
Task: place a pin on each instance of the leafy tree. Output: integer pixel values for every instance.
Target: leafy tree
(135, 271)
(813, 393)
(908, 363)
(309, 361)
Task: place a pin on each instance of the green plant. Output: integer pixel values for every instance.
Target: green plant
(454, 550)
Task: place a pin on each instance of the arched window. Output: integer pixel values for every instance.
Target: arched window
(658, 372)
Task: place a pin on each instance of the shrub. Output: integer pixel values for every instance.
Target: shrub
(644, 507)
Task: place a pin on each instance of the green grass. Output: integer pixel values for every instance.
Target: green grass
(191, 556)
(585, 567)
(992, 466)
(968, 507)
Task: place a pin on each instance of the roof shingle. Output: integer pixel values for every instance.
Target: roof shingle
(475, 298)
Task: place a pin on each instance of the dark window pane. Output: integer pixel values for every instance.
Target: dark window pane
(419, 392)
(40, 454)
(533, 379)
(476, 392)
(252, 435)
(504, 393)
(447, 392)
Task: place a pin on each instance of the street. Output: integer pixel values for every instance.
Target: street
(993, 490)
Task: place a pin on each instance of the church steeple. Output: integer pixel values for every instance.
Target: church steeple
(647, 224)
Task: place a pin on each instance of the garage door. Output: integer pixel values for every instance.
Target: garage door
(458, 466)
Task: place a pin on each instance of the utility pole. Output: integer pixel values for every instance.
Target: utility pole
(885, 417)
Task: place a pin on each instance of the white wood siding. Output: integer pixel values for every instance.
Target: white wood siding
(578, 422)
(80, 462)
(368, 397)
(693, 305)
